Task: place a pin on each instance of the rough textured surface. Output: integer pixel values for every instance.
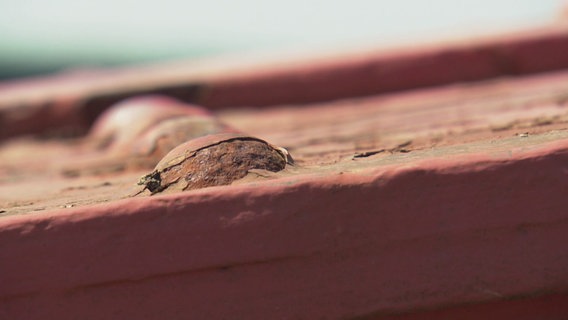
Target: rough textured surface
(441, 202)
(436, 233)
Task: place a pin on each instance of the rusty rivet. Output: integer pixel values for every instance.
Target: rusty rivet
(138, 132)
(168, 134)
(123, 123)
(213, 161)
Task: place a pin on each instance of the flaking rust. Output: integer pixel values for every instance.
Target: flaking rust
(213, 160)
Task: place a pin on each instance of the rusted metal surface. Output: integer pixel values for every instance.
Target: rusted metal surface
(442, 202)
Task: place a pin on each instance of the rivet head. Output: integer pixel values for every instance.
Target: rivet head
(168, 134)
(213, 160)
(138, 132)
(126, 121)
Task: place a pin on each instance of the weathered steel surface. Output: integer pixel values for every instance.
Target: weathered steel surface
(446, 202)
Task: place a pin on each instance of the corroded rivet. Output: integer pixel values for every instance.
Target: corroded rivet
(138, 132)
(168, 134)
(120, 125)
(213, 161)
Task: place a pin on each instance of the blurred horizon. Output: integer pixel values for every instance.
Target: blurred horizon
(44, 37)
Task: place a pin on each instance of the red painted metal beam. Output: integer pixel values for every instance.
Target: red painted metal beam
(478, 229)
(75, 100)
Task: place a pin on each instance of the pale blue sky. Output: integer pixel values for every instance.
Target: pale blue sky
(81, 31)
